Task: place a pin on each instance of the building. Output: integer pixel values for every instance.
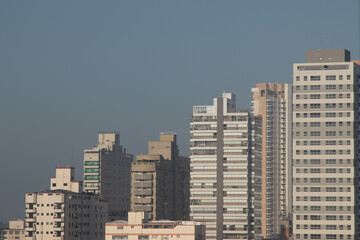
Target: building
(160, 181)
(63, 214)
(107, 169)
(15, 230)
(326, 146)
(273, 103)
(137, 227)
(225, 175)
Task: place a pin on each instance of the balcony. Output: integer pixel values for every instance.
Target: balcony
(143, 208)
(33, 210)
(142, 200)
(59, 210)
(143, 192)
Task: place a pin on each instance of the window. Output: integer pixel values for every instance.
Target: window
(330, 133)
(330, 96)
(315, 87)
(331, 180)
(348, 77)
(331, 217)
(314, 161)
(330, 208)
(330, 77)
(315, 217)
(314, 152)
(330, 124)
(315, 208)
(92, 177)
(297, 87)
(314, 96)
(314, 143)
(330, 199)
(315, 189)
(340, 77)
(315, 134)
(314, 115)
(315, 105)
(315, 236)
(330, 236)
(330, 87)
(314, 124)
(331, 189)
(92, 163)
(115, 237)
(315, 199)
(297, 78)
(315, 170)
(330, 114)
(348, 86)
(330, 105)
(315, 180)
(305, 78)
(330, 152)
(315, 227)
(330, 170)
(314, 78)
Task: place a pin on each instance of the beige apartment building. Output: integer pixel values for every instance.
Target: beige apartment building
(225, 183)
(16, 230)
(273, 103)
(107, 169)
(139, 228)
(64, 212)
(160, 181)
(326, 146)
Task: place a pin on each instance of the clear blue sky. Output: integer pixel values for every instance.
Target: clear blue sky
(69, 69)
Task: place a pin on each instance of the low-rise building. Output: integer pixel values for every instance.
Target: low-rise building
(64, 212)
(14, 231)
(137, 227)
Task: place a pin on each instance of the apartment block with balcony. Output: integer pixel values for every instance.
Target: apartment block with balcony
(62, 214)
(273, 103)
(14, 231)
(107, 169)
(326, 146)
(225, 170)
(160, 181)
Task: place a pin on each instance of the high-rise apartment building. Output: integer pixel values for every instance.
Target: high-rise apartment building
(225, 170)
(160, 181)
(273, 103)
(107, 169)
(326, 146)
(64, 212)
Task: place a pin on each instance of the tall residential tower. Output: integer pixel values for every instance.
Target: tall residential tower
(225, 170)
(160, 181)
(273, 103)
(107, 169)
(326, 146)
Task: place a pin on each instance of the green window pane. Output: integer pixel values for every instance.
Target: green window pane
(92, 163)
(91, 177)
(92, 170)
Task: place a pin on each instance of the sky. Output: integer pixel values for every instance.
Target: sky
(69, 69)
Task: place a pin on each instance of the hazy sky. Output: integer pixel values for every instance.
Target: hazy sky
(69, 69)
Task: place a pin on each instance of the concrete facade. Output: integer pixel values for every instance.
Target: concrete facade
(64, 215)
(107, 169)
(326, 148)
(16, 230)
(160, 181)
(273, 103)
(137, 227)
(225, 183)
